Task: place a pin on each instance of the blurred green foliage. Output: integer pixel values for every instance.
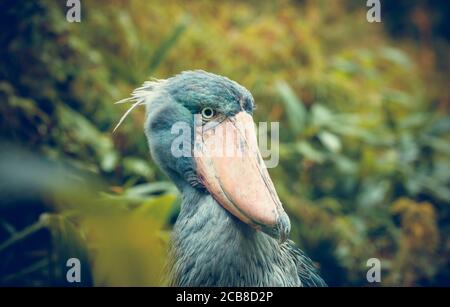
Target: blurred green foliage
(364, 152)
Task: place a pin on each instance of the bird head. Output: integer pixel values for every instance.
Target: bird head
(201, 132)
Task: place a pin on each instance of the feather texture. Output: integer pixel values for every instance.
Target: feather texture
(141, 96)
(210, 247)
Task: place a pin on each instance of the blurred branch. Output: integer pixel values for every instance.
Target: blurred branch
(22, 234)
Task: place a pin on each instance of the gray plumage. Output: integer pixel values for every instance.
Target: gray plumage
(210, 246)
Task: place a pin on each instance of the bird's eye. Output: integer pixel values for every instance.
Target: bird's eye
(208, 113)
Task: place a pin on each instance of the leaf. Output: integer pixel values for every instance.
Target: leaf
(396, 56)
(438, 144)
(345, 165)
(344, 65)
(321, 115)
(397, 96)
(157, 208)
(129, 248)
(109, 160)
(147, 189)
(79, 132)
(330, 141)
(440, 126)
(138, 167)
(310, 152)
(373, 192)
(168, 43)
(295, 109)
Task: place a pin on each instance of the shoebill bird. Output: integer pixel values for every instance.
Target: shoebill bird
(232, 229)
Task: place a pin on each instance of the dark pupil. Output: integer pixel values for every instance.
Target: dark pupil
(207, 112)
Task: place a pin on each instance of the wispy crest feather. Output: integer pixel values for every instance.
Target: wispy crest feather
(140, 96)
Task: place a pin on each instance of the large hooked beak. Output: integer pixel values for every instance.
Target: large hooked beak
(230, 166)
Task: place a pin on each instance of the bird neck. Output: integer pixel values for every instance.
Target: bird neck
(211, 247)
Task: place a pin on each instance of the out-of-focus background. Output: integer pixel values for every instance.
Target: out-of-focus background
(364, 132)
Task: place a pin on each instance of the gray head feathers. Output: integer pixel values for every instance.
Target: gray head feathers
(193, 89)
(141, 96)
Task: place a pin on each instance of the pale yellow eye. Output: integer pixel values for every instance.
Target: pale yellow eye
(208, 113)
